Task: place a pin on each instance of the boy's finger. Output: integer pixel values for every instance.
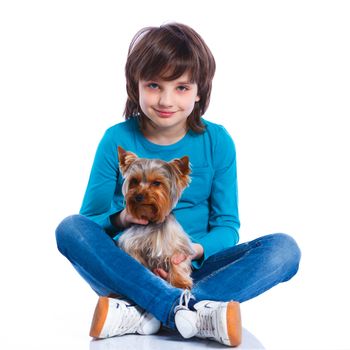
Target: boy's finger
(140, 221)
(161, 273)
(177, 259)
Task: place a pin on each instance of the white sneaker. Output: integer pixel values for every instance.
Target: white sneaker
(219, 321)
(119, 316)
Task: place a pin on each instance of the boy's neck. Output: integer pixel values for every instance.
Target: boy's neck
(164, 136)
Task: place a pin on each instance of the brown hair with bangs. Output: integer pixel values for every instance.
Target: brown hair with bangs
(167, 52)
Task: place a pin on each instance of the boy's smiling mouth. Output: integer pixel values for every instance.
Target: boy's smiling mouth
(163, 113)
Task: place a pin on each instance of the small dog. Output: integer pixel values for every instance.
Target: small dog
(151, 189)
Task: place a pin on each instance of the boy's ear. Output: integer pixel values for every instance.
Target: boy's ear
(126, 158)
(182, 169)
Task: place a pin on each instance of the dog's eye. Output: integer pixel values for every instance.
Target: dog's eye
(133, 182)
(156, 183)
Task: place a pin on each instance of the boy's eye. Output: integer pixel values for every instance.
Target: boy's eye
(153, 85)
(182, 88)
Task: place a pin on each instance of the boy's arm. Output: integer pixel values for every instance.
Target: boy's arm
(224, 219)
(98, 199)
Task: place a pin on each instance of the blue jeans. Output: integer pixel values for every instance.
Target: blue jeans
(238, 273)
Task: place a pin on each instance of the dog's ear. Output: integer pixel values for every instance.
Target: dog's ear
(125, 159)
(182, 169)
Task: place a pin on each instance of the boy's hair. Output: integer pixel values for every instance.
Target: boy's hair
(167, 52)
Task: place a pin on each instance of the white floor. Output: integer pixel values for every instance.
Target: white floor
(170, 341)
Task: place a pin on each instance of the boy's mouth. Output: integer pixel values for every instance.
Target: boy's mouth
(163, 113)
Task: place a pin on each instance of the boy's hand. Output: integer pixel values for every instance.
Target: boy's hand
(179, 258)
(199, 251)
(175, 259)
(124, 220)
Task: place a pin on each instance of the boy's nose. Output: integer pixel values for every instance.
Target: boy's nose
(165, 99)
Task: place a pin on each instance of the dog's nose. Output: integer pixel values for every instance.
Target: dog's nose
(139, 198)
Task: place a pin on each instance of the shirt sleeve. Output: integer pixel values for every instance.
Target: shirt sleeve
(223, 218)
(97, 203)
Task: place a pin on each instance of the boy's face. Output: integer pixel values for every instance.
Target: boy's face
(168, 103)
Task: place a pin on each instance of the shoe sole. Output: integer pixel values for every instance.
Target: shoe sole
(234, 323)
(99, 318)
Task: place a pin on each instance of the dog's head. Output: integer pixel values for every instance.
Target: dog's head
(152, 187)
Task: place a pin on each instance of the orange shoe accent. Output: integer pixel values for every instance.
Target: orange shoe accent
(234, 323)
(99, 318)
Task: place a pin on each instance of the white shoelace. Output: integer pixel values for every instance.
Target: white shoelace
(205, 326)
(205, 316)
(184, 300)
(130, 319)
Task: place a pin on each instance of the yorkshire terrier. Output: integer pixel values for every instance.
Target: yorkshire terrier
(151, 190)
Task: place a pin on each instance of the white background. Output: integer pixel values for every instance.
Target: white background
(282, 90)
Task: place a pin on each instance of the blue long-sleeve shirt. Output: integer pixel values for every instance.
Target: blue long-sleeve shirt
(207, 209)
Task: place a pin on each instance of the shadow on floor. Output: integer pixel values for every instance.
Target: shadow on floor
(166, 339)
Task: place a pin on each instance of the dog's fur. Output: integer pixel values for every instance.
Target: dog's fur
(151, 189)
